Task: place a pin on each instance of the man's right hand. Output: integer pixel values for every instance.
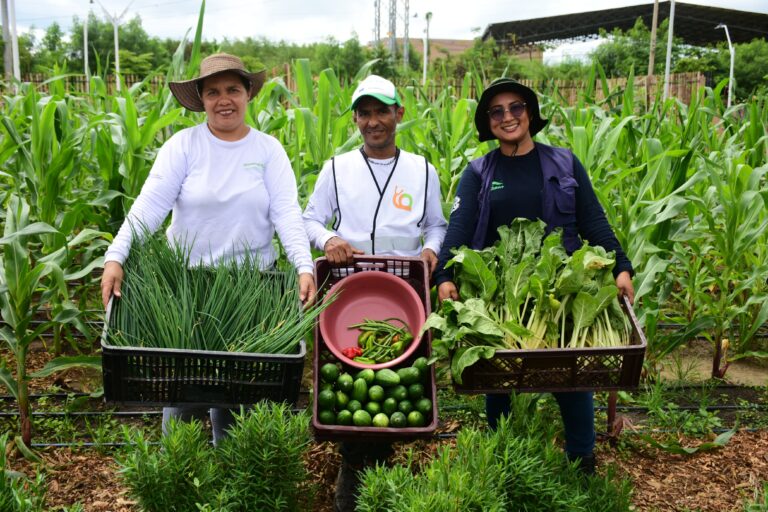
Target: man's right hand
(339, 252)
(111, 281)
(447, 290)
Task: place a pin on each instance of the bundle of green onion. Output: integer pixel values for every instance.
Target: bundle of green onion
(231, 306)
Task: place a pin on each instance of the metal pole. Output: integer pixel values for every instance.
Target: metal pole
(669, 47)
(733, 54)
(426, 49)
(405, 36)
(117, 57)
(116, 23)
(85, 53)
(392, 30)
(15, 42)
(8, 49)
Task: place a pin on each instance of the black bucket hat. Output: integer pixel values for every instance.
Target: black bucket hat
(482, 122)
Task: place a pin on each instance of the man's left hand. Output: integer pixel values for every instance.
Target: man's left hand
(430, 258)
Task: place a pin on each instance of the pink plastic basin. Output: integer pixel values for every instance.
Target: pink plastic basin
(370, 295)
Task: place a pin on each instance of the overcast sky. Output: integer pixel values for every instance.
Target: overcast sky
(306, 21)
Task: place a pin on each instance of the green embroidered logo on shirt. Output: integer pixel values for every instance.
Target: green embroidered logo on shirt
(257, 166)
(496, 185)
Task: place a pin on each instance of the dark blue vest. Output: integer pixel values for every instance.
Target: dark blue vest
(558, 198)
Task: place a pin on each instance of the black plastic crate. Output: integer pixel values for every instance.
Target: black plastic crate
(562, 369)
(412, 270)
(170, 377)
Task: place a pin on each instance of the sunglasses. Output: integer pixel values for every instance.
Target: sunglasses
(497, 112)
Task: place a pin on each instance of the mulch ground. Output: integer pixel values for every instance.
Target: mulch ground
(714, 481)
(710, 481)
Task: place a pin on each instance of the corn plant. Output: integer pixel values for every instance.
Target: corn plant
(25, 285)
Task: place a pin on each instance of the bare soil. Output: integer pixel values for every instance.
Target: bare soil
(693, 362)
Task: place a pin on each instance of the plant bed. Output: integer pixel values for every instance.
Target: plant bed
(413, 271)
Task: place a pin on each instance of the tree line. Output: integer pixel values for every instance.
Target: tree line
(620, 53)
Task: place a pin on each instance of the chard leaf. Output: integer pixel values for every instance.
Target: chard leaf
(584, 311)
(465, 357)
(474, 271)
(516, 330)
(516, 283)
(595, 258)
(474, 314)
(434, 321)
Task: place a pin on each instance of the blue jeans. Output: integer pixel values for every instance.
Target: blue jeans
(221, 419)
(578, 413)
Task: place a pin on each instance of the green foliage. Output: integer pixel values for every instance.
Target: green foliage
(760, 501)
(512, 469)
(17, 492)
(526, 292)
(261, 459)
(257, 467)
(174, 477)
(631, 49)
(169, 301)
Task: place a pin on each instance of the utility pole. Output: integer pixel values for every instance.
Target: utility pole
(85, 50)
(405, 36)
(426, 49)
(654, 23)
(8, 47)
(376, 22)
(15, 42)
(669, 47)
(392, 30)
(116, 20)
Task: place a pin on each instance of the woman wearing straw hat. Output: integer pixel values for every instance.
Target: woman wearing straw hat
(527, 179)
(229, 186)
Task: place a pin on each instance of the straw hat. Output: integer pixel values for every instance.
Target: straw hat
(187, 94)
(507, 85)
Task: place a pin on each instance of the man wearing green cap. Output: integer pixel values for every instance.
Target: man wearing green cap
(378, 200)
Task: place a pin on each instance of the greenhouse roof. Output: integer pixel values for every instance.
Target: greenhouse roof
(694, 24)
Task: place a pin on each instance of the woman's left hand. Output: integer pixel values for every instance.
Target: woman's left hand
(307, 290)
(624, 284)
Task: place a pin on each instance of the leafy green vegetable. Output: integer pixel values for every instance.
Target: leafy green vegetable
(525, 292)
(168, 302)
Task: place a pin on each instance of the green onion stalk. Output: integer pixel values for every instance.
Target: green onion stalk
(233, 306)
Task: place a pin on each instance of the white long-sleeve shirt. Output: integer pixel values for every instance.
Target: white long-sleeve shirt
(322, 204)
(227, 198)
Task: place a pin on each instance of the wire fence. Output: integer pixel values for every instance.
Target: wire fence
(681, 85)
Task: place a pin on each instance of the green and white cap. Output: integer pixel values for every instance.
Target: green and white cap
(379, 88)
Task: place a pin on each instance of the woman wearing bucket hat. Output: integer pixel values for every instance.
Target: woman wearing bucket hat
(229, 186)
(523, 178)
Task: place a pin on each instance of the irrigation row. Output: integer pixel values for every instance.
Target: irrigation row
(439, 436)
